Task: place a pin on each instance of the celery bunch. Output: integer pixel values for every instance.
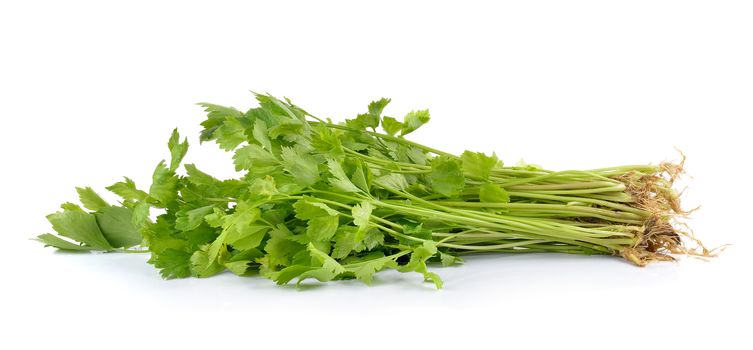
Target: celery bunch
(329, 201)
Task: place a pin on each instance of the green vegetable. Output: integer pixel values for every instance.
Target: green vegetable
(325, 201)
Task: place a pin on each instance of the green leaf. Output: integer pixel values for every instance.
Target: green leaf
(449, 260)
(216, 116)
(230, 134)
(90, 199)
(362, 215)
(327, 141)
(202, 265)
(370, 119)
(432, 277)
(362, 121)
(278, 214)
(415, 155)
(345, 241)
(417, 231)
(261, 134)
(172, 263)
(414, 120)
(239, 268)
(280, 248)
(303, 168)
(248, 237)
(177, 150)
(116, 224)
(198, 177)
(479, 165)
(393, 181)
(287, 274)
(71, 206)
(164, 185)
(188, 219)
(291, 130)
(447, 176)
(327, 262)
(200, 236)
(51, 240)
(216, 218)
(263, 187)
(391, 126)
(275, 106)
(307, 208)
(79, 226)
(362, 178)
(245, 255)
(493, 193)
(128, 191)
(159, 236)
(140, 215)
(365, 271)
(340, 180)
(376, 108)
(418, 259)
(233, 227)
(373, 238)
(320, 274)
(322, 228)
(253, 156)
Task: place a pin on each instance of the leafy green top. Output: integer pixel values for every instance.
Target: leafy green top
(315, 200)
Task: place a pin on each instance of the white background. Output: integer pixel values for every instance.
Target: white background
(90, 92)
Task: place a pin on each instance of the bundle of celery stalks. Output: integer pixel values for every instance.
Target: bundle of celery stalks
(333, 201)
